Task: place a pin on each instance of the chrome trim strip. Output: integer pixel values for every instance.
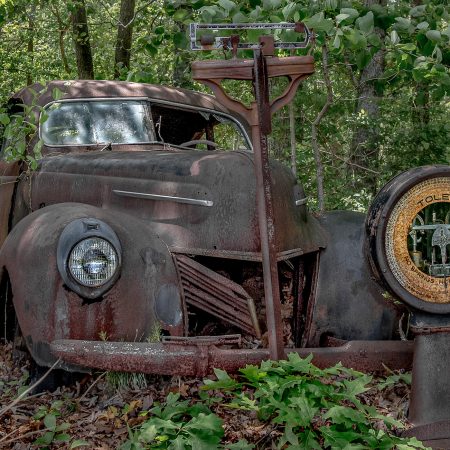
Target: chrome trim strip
(302, 201)
(188, 201)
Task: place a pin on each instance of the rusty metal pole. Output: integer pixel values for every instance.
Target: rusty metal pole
(264, 203)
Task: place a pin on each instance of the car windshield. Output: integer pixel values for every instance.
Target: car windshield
(96, 122)
(134, 121)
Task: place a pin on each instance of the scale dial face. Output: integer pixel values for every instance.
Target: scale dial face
(408, 238)
(417, 240)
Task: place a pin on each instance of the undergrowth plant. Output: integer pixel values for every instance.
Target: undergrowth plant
(310, 408)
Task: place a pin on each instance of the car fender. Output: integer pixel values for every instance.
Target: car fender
(348, 303)
(144, 299)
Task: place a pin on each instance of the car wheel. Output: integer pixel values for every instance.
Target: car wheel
(408, 228)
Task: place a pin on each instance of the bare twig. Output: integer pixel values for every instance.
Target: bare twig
(23, 394)
(92, 385)
(349, 163)
(63, 29)
(118, 22)
(23, 436)
(349, 68)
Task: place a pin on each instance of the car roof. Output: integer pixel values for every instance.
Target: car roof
(76, 89)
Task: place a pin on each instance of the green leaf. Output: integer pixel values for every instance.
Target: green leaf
(337, 438)
(341, 17)
(240, 445)
(402, 23)
(362, 59)
(151, 49)
(50, 421)
(227, 5)
(350, 12)
(180, 40)
(43, 117)
(366, 23)
(180, 443)
(357, 386)
(433, 35)
(305, 408)
(437, 54)
(4, 119)
(356, 39)
(374, 40)
(289, 10)
(256, 14)
(297, 364)
(57, 94)
(271, 4)
(45, 439)
(78, 443)
(63, 427)
(417, 11)
(422, 25)
(319, 23)
(344, 415)
(408, 47)
(239, 18)
(395, 379)
(309, 440)
(148, 432)
(208, 13)
(253, 373)
(180, 15)
(336, 41)
(395, 39)
(63, 437)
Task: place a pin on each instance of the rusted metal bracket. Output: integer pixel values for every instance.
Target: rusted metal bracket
(263, 66)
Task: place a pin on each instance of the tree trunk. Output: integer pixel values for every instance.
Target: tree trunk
(124, 36)
(62, 30)
(182, 65)
(365, 147)
(30, 46)
(314, 131)
(82, 44)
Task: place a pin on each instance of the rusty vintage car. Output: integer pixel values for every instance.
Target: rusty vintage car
(126, 231)
(155, 236)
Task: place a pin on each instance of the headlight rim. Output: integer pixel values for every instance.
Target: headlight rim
(76, 231)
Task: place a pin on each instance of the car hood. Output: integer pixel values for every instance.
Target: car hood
(199, 202)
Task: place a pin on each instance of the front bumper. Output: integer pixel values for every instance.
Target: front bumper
(199, 359)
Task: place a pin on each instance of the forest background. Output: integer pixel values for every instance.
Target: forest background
(377, 105)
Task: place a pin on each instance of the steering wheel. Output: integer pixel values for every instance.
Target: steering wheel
(199, 141)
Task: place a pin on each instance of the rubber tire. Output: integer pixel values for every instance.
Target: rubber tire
(391, 211)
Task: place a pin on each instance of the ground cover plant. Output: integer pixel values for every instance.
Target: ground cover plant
(299, 405)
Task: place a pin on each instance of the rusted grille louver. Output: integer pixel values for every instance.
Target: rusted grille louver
(217, 295)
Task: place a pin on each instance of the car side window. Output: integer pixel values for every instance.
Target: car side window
(228, 135)
(198, 128)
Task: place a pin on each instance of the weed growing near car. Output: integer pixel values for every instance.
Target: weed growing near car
(304, 407)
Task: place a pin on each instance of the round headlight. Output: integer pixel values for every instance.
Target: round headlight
(93, 262)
